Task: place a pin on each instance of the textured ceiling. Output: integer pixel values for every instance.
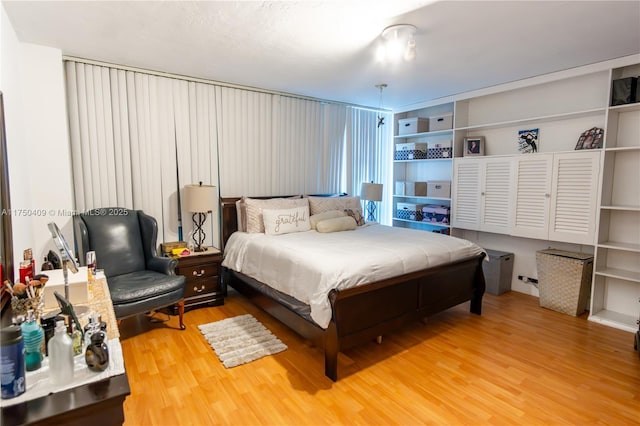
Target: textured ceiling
(326, 49)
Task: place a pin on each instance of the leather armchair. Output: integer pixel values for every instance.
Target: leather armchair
(124, 240)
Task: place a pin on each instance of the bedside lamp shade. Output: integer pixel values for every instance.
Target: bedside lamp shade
(371, 192)
(199, 200)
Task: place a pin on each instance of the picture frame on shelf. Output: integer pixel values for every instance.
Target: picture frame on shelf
(473, 146)
(590, 139)
(529, 141)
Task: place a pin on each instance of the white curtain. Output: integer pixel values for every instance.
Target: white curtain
(196, 143)
(368, 153)
(122, 141)
(278, 145)
(137, 139)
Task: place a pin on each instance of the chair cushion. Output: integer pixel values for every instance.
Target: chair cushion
(117, 242)
(144, 285)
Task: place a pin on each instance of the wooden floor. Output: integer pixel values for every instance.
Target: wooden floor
(516, 364)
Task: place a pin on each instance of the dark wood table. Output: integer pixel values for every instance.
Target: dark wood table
(97, 403)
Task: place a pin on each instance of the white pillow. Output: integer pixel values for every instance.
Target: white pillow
(323, 204)
(331, 214)
(254, 207)
(285, 221)
(345, 223)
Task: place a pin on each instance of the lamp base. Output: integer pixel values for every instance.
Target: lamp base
(371, 211)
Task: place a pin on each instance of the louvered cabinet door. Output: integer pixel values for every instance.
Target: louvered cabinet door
(466, 193)
(532, 189)
(574, 198)
(496, 195)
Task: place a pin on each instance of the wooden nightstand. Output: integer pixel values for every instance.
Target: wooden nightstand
(202, 271)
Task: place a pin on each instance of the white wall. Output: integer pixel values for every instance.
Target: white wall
(32, 83)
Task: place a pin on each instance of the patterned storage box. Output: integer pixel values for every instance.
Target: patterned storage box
(411, 151)
(439, 149)
(435, 214)
(409, 211)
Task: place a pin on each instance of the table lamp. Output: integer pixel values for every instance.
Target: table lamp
(371, 192)
(199, 200)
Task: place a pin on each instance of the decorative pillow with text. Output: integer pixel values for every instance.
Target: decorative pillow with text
(286, 221)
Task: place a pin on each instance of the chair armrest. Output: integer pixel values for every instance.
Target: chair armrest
(164, 265)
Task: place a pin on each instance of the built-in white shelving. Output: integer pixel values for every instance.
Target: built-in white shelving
(608, 207)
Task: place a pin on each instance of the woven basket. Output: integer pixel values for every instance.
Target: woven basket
(564, 280)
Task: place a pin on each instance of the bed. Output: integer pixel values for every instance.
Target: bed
(362, 312)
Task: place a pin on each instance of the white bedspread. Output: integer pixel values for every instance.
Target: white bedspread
(308, 265)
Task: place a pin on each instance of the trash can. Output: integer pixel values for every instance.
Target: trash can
(564, 280)
(498, 271)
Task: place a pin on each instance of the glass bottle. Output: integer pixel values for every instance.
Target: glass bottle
(33, 336)
(47, 265)
(60, 356)
(97, 353)
(92, 327)
(74, 333)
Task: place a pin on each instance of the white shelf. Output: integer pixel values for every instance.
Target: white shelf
(622, 208)
(425, 134)
(621, 274)
(547, 118)
(615, 319)
(623, 148)
(620, 246)
(422, 197)
(625, 108)
(439, 225)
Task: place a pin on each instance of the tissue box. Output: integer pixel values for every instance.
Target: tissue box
(78, 288)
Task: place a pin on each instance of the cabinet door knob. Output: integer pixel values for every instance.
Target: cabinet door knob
(547, 195)
(196, 274)
(482, 193)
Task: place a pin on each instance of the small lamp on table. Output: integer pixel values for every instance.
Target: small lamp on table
(372, 193)
(199, 200)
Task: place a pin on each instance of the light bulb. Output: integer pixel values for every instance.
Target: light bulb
(410, 51)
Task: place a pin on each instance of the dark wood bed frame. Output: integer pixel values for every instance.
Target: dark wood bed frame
(366, 312)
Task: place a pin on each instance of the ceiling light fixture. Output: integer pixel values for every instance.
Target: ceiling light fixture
(398, 42)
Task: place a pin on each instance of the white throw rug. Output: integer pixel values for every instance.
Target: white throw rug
(240, 339)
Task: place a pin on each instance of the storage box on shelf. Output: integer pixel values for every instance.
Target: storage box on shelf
(409, 126)
(616, 278)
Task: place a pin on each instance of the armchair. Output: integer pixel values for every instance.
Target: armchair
(139, 280)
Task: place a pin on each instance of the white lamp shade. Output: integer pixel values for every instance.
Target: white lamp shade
(371, 191)
(200, 198)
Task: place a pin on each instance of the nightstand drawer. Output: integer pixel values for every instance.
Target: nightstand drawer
(202, 287)
(198, 271)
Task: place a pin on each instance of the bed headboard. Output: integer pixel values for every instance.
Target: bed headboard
(230, 217)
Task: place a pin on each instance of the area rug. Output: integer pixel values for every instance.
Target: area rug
(240, 339)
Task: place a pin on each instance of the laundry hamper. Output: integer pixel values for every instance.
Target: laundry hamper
(564, 280)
